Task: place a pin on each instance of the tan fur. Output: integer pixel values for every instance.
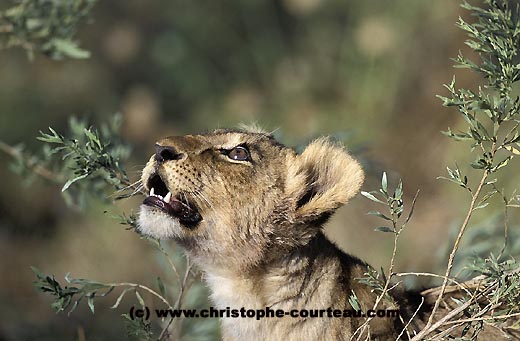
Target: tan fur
(260, 242)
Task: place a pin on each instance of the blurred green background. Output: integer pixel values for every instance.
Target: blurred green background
(366, 72)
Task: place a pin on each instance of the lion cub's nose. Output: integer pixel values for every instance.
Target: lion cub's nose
(166, 153)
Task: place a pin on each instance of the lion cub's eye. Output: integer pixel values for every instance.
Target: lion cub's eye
(239, 153)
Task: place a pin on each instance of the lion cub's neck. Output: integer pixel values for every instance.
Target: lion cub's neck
(317, 276)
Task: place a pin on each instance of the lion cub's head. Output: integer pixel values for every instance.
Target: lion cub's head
(236, 199)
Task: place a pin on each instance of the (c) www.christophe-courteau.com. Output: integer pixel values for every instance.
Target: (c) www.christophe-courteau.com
(211, 312)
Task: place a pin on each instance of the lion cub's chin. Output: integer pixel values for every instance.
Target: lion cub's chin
(157, 224)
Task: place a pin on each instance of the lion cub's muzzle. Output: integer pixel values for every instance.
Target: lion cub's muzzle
(177, 206)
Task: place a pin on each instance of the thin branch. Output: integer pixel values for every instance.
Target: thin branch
(6, 28)
(37, 169)
(178, 303)
(165, 329)
(474, 199)
(427, 274)
(170, 261)
(405, 328)
(506, 222)
(362, 328)
(441, 335)
(452, 314)
(140, 286)
(485, 318)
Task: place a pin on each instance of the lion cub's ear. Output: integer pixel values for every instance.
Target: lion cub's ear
(321, 179)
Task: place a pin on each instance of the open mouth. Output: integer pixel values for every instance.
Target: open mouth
(176, 206)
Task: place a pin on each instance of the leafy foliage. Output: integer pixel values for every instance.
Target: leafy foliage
(88, 162)
(374, 279)
(45, 26)
(492, 112)
(394, 203)
(492, 116)
(67, 295)
(138, 328)
(496, 297)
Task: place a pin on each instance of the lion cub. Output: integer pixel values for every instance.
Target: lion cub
(249, 212)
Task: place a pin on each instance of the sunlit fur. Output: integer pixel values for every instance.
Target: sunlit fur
(260, 243)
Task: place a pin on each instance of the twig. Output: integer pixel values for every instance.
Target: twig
(451, 314)
(37, 169)
(442, 334)
(474, 199)
(506, 222)
(172, 265)
(458, 323)
(386, 289)
(362, 328)
(485, 318)
(178, 303)
(405, 328)
(6, 28)
(427, 274)
(165, 329)
(140, 286)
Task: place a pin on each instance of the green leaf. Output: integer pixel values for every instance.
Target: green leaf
(414, 201)
(37, 272)
(93, 137)
(71, 181)
(488, 196)
(384, 229)
(481, 206)
(118, 301)
(513, 149)
(502, 163)
(384, 183)
(139, 298)
(160, 284)
(90, 302)
(398, 194)
(55, 138)
(354, 301)
(371, 197)
(69, 48)
(379, 214)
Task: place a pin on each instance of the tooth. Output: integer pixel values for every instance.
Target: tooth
(152, 192)
(168, 197)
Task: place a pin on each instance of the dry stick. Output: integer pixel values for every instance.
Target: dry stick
(457, 324)
(6, 28)
(170, 261)
(140, 286)
(451, 314)
(405, 328)
(454, 312)
(485, 318)
(427, 274)
(391, 273)
(39, 170)
(362, 328)
(461, 322)
(506, 225)
(427, 328)
(446, 332)
(179, 298)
